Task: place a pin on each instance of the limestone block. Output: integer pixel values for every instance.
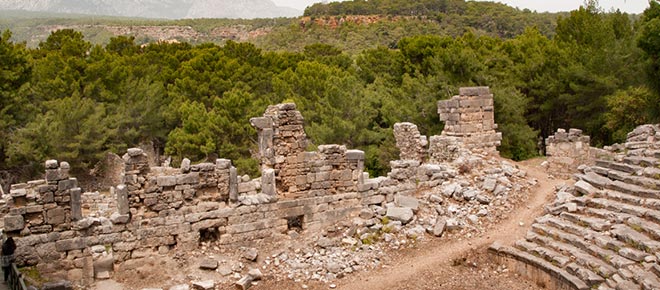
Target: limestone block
(134, 152)
(268, 182)
(185, 165)
(402, 214)
(118, 218)
(204, 285)
(474, 91)
(189, 178)
(406, 201)
(70, 244)
(222, 164)
(76, 207)
(66, 184)
(233, 184)
(14, 223)
(355, 155)
(56, 216)
(122, 199)
(51, 164)
(54, 175)
(163, 181)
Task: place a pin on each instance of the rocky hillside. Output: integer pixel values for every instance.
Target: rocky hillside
(172, 9)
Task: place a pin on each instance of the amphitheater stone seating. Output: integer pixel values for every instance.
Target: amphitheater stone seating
(607, 235)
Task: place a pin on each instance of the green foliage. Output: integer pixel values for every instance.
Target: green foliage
(73, 100)
(628, 109)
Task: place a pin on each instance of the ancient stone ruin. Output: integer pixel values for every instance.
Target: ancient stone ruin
(603, 232)
(470, 120)
(567, 151)
(157, 210)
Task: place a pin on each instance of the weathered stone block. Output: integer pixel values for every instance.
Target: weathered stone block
(76, 206)
(233, 184)
(163, 181)
(64, 185)
(185, 165)
(474, 91)
(190, 178)
(402, 214)
(56, 216)
(70, 244)
(122, 199)
(268, 182)
(222, 164)
(51, 164)
(14, 223)
(134, 152)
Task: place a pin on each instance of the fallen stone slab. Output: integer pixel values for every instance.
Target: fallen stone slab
(402, 214)
(208, 264)
(204, 285)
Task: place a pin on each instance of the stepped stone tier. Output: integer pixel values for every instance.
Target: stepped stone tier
(603, 232)
(159, 210)
(470, 118)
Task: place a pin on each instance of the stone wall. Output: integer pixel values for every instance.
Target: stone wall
(162, 209)
(566, 151)
(412, 145)
(470, 117)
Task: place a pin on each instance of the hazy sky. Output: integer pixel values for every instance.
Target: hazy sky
(630, 6)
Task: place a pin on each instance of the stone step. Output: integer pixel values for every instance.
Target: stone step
(548, 254)
(565, 243)
(646, 279)
(618, 166)
(596, 224)
(595, 179)
(620, 283)
(598, 244)
(616, 206)
(642, 225)
(635, 238)
(539, 263)
(629, 198)
(651, 172)
(643, 181)
(649, 214)
(655, 268)
(634, 189)
(640, 161)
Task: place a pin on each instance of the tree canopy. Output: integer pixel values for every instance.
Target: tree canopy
(73, 100)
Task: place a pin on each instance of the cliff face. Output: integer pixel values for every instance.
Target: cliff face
(157, 8)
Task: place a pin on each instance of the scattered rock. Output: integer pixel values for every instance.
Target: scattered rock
(204, 285)
(250, 254)
(402, 214)
(406, 202)
(325, 242)
(439, 227)
(208, 264)
(489, 184)
(225, 270)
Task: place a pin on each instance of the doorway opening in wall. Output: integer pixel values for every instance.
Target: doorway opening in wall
(208, 235)
(295, 223)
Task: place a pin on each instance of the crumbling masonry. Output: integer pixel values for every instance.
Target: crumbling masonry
(163, 209)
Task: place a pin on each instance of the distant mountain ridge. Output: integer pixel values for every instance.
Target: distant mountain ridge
(171, 9)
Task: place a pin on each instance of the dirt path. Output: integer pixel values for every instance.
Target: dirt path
(430, 267)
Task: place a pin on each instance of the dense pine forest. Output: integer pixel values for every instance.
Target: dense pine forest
(73, 100)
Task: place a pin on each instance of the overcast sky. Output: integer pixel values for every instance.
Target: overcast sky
(630, 6)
